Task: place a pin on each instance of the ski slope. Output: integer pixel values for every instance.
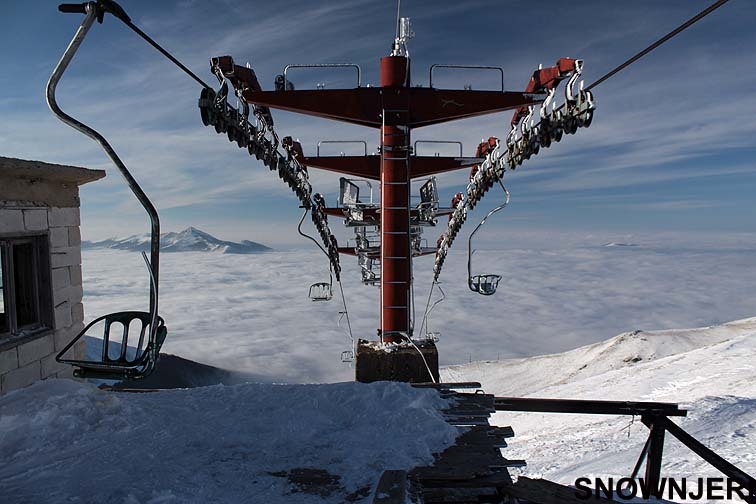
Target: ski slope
(711, 371)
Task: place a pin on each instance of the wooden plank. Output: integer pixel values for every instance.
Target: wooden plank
(654, 455)
(469, 408)
(467, 421)
(466, 413)
(588, 407)
(447, 386)
(494, 480)
(473, 468)
(481, 433)
(461, 495)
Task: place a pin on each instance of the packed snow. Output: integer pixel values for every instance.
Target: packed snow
(711, 371)
(64, 441)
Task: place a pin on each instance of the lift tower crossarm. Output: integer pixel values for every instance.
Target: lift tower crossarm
(363, 105)
(396, 108)
(370, 166)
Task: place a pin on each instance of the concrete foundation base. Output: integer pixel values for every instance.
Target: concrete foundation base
(402, 364)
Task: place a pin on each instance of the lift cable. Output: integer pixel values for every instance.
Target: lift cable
(640, 54)
(429, 308)
(101, 7)
(346, 312)
(117, 11)
(653, 46)
(659, 42)
(109, 6)
(165, 53)
(338, 281)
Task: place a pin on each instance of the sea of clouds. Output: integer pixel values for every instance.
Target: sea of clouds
(251, 313)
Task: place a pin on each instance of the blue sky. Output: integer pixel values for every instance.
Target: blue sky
(671, 147)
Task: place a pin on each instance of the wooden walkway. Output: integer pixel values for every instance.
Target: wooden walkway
(473, 470)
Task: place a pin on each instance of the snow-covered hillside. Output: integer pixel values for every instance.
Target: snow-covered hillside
(189, 240)
(711, 371)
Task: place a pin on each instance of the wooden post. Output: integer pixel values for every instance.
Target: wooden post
(655, 451)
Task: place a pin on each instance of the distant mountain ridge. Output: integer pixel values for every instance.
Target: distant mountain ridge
(190, 239)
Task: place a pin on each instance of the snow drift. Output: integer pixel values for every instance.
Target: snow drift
(64, 441)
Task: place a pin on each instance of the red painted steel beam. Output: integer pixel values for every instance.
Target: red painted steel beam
(358, 106)
(424, 166)
(357, 166)
(370, 166)
(363, 105)
(434, 106)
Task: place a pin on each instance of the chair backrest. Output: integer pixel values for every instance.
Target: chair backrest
(484, 284)
(349, 193)
(321, 291)
(134, 324)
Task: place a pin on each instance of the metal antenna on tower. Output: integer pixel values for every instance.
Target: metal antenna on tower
(403, 33)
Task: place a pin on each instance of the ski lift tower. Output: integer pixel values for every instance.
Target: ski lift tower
(394, 108)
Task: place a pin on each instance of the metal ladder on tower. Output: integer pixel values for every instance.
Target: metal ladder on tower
(397, 153)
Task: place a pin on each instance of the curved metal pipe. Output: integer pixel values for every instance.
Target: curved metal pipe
(341, 288)
(60, 68)
(299, 230)
(323, 65)
(469, 240)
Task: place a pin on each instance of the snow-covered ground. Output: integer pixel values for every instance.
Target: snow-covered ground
(63, 441)
(251, 312)
(71, 442)
(711, 371)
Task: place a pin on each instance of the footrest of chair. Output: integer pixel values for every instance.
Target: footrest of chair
(100, 374)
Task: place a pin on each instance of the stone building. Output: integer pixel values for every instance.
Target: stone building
(40, 278)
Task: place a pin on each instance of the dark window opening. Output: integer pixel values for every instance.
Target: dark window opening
(26, 300)
(25, 282)
(3, 303)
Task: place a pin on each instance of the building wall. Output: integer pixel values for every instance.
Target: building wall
(34, 358)
(38, 198)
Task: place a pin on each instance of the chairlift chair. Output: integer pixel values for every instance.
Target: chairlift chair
(127, 363)
(484, 284)
(321, 291)
(487, 283)
(130, 363)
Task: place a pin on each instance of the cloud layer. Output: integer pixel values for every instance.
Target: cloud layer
(252, 313)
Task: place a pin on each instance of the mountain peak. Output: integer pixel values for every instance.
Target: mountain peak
(190, 239)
